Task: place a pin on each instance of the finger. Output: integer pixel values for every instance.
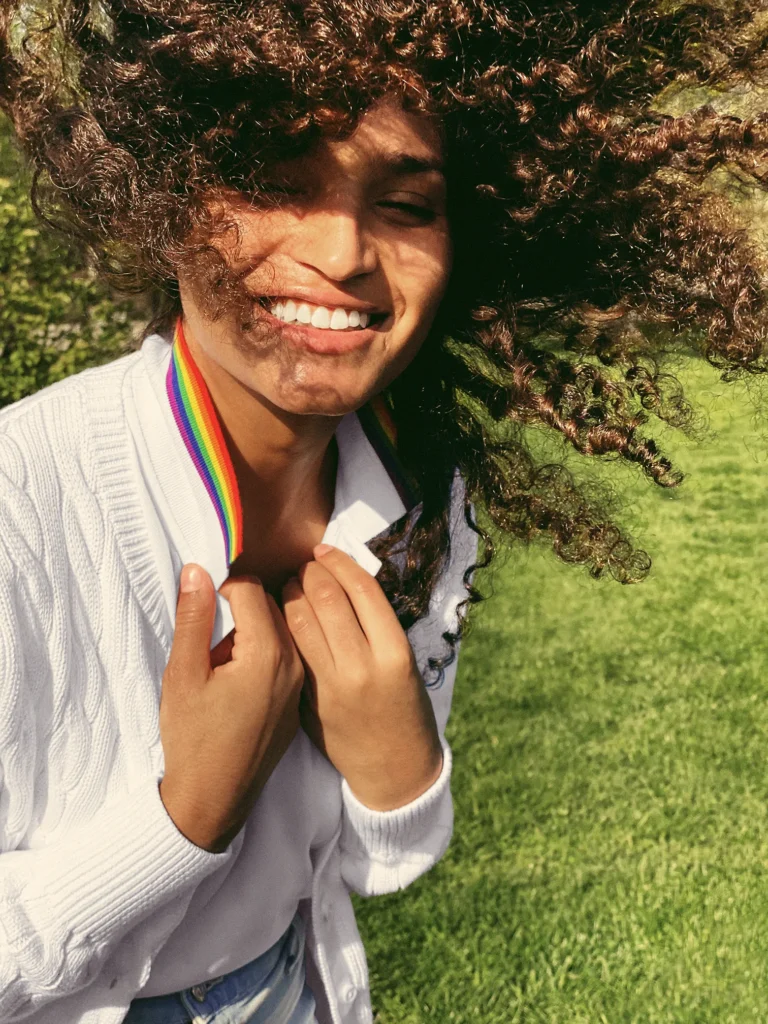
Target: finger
(190, 657)
(222, 652)
(311, 722)
(372, 609)
(250, 611)
(305, 628)
(335, 614)
(281, 626)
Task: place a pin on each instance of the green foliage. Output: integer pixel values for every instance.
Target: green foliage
(55, 317)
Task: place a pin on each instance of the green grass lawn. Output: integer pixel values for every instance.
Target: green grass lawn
(610, 857)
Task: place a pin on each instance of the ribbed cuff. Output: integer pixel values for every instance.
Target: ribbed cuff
(388, 849)
(107, 876)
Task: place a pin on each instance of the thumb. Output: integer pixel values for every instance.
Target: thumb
(195, 611)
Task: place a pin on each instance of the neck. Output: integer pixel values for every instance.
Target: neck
(279, 458)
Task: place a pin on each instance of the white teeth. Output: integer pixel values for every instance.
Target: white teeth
(339, 320)
(321, 318)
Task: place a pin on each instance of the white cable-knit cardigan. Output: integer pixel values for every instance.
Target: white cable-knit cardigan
(94, 876)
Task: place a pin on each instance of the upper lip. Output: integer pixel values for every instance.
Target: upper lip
(328, 299)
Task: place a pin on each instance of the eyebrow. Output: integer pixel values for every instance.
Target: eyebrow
(406, 163)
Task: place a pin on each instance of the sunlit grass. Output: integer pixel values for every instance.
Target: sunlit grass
(610, 860)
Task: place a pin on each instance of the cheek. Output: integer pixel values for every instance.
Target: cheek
(419, 281)
(421, 274)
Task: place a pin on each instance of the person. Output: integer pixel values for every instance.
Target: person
(385, 241)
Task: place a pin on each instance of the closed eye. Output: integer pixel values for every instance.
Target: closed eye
(423, 213)
(275, 191)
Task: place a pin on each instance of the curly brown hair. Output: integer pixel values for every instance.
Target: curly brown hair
(587, 245)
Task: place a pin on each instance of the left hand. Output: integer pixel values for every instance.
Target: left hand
(366, 707)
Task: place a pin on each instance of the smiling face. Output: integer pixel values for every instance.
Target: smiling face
(347, 267)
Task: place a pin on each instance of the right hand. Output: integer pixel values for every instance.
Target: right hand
(227, 716)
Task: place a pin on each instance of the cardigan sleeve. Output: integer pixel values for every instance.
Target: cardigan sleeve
(383, 851)
(66, 906)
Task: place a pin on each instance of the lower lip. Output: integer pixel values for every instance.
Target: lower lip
(324, 342)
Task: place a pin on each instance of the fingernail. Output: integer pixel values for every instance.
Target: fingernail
(191, 579)
(323, 549)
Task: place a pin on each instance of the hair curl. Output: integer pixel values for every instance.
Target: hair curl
(586, 239)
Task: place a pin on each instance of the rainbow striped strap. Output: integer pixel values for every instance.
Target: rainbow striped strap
(199, 426)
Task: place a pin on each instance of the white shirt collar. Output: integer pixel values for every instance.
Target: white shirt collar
(366, 501)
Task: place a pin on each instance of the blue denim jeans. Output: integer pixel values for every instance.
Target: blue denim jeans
(269, 990)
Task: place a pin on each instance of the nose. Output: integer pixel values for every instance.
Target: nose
(336, 243)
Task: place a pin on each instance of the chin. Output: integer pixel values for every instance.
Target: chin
(320, 398)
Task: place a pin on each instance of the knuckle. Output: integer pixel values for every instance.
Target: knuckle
(366, 586)
(191, 612)
(397, 660)
(357, 677)
(325, 594)
(297, 620)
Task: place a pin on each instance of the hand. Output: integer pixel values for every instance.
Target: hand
(364, 704)
(227, 716)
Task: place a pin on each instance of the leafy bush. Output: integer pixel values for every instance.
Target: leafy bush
(55, 317)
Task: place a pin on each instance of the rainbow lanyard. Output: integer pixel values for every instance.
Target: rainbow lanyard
(200, 429)
(199, 426)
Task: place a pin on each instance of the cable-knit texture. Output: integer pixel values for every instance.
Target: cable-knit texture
(94, 876)
(80, 659)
